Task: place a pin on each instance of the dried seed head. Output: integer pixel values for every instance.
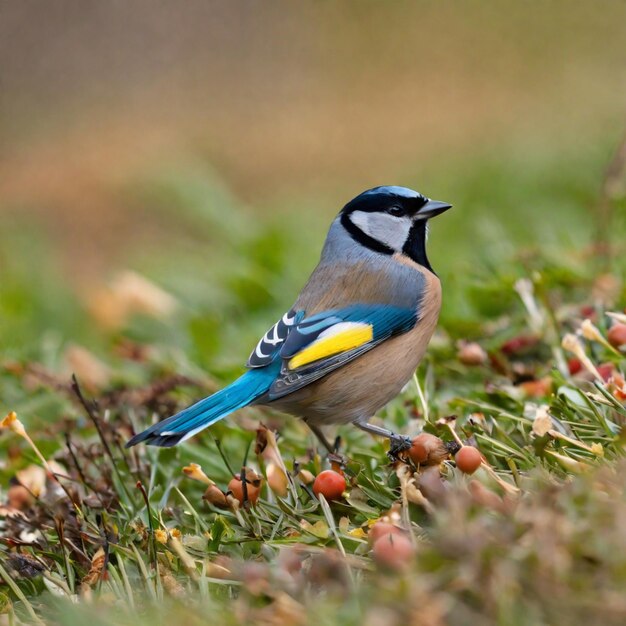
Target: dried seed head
(277, 479)
(590, 331)
(572, 344)
(194, 471)
(12, 423)
(305, 476)
(215, 496)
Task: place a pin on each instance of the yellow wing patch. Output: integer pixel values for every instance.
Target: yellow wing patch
(339, 338)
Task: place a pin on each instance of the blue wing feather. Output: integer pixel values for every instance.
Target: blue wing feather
(270, 378)
(206, 412)
(385, 320)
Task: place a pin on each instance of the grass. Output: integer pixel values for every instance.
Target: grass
(125, 537)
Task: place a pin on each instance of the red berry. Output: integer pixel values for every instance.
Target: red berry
(468, 459)
(330, 484)
(574, 365)
(588, 312)
(518, 344)
(606, 371)
(617, 335)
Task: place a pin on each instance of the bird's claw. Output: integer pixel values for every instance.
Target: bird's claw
(399, 443)
(338, 459)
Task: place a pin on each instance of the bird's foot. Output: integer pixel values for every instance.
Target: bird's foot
(452, 447)
(399, 444)
(337, 461)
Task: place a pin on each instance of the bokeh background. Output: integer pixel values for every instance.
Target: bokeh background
(168, 171)
(206, 146)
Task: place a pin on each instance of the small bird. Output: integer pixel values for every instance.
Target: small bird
(354, 336)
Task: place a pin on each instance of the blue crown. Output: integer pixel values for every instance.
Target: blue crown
(392, 190)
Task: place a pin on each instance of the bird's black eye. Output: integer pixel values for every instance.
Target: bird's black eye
(396, 211)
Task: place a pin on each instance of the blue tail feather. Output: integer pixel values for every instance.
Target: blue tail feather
(193, 419)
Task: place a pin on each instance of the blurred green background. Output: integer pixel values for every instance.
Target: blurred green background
(207, 146)
(168, 171)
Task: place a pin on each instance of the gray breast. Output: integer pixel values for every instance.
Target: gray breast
(350, 273)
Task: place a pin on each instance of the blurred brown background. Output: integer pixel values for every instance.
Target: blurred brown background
(284, 100)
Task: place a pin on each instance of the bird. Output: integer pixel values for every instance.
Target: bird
(355, 334)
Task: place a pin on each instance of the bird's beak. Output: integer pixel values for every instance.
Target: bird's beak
(432, 208)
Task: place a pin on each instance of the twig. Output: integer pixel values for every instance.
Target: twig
(89, 408)
(218, 443)
(244, 488)
(83, 478)
(60, 528)
(107, 553)
(150, 525)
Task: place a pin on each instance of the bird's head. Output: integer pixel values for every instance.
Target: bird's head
(392, 220)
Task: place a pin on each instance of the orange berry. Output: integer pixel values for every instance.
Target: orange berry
(330, 484)
(471, 353)
(426, 449)
(537, 388)
(18, 497)
(617, 386)
(253, 487)
(468, 459)
(617, 335)
(432, 485)
(619, 394)
(485, 497)
(393, 552)
(380, 529)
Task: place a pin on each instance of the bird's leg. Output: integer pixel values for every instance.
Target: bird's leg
(321, 437)
(399, 443)
(333, 450)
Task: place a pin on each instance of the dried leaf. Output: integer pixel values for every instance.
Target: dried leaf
(319, 529)
(215, 496)
(95, 572)
(90, 370)
(129, 293)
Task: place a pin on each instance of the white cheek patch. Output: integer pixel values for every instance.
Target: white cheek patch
(387, 229)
